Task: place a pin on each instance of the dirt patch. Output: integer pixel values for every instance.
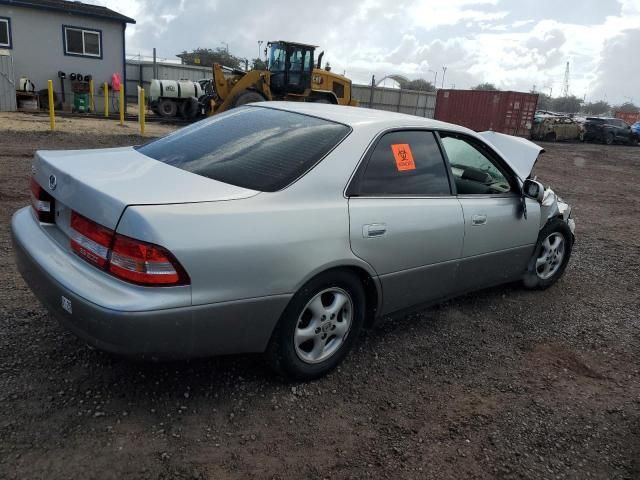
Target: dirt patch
(11, 123)
(504, 383)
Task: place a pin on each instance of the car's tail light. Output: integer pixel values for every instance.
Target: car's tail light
(144, 263)
(90, 240)
(129, 259)
(43, 204)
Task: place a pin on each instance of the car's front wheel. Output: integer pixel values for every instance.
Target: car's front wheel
(318, 327)
(551, 255)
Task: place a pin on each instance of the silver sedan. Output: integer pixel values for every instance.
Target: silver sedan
(282, 228)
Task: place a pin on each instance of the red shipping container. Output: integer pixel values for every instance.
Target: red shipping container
(629, 117)
(480, 110)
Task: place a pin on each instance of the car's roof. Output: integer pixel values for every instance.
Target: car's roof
(358, 116)
(523, 153)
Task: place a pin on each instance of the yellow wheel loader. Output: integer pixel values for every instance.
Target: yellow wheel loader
(291, 75)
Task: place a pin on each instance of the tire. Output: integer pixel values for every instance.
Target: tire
(551, 255)
(167, 108)
(189, 108)
(633, 140)
(322, 100)
(608, 139)
(304, 344)
(550, 137)
(248, 96)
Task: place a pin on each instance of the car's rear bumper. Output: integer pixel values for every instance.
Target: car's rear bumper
(215, 329)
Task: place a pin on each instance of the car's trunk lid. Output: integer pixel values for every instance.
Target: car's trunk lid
(100, 184)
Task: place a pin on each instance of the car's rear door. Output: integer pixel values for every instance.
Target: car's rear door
(560, 129)
(498, 237)
(404, 220)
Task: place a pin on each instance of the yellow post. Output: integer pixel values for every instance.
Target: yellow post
(142, 110)
(92, 103)
(52, 113)
(106, 99)
(121, 105)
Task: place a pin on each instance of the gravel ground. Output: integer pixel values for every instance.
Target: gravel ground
(503, 383)
(11, 122)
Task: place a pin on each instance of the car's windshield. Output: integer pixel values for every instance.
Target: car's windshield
(252, 147)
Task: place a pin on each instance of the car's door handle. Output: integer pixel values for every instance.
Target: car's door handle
(374, 230)
(478, 220)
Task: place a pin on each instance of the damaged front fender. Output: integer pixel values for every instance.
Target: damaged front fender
(553, 206)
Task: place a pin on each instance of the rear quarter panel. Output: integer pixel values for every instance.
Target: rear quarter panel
(269, 244)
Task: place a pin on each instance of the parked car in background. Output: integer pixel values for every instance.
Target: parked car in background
(555, 127)
(609, 131)
(635, 128)
(282, 228)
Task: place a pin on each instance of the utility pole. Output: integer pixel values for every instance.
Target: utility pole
(259, 47)
(565, 84)
(435, 78)
(226, 46)
(444, 72)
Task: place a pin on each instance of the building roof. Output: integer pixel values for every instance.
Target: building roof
(74, 8)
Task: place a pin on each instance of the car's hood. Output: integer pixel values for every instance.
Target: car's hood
(520, 153)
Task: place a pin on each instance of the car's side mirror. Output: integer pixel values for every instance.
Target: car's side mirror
(533, 189)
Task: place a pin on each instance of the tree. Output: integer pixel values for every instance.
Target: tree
(418, 84)
(544, 101)
(485, 86)
(627, 107)
(596, 108)
(569, 104)
(206, 57)
(258, 64)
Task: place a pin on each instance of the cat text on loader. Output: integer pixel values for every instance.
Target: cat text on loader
(291, 75)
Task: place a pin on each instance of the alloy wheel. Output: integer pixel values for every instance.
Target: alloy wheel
(323, 325)
(551, 256)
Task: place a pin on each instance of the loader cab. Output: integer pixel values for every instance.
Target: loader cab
(291, 66)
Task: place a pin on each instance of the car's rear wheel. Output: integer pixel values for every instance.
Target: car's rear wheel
(551, 255)
(608, 139)
(318, 327)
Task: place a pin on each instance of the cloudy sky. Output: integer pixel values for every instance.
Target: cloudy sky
(515, 44)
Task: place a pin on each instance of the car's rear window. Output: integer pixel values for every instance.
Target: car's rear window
(252, 147)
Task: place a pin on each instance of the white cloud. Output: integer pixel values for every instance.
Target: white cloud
(511, 43)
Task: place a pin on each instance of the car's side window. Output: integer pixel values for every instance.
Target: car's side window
(473, 171)
(405, 163)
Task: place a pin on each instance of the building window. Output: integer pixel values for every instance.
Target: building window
(83, 42)
(5, 32)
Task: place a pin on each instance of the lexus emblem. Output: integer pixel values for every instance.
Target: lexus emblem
(53, 183)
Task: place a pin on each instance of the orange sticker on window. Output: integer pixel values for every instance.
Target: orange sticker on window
(404, 157)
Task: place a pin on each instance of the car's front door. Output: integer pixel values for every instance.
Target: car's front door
(624, 130)
(498, 238)
(405, 221)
